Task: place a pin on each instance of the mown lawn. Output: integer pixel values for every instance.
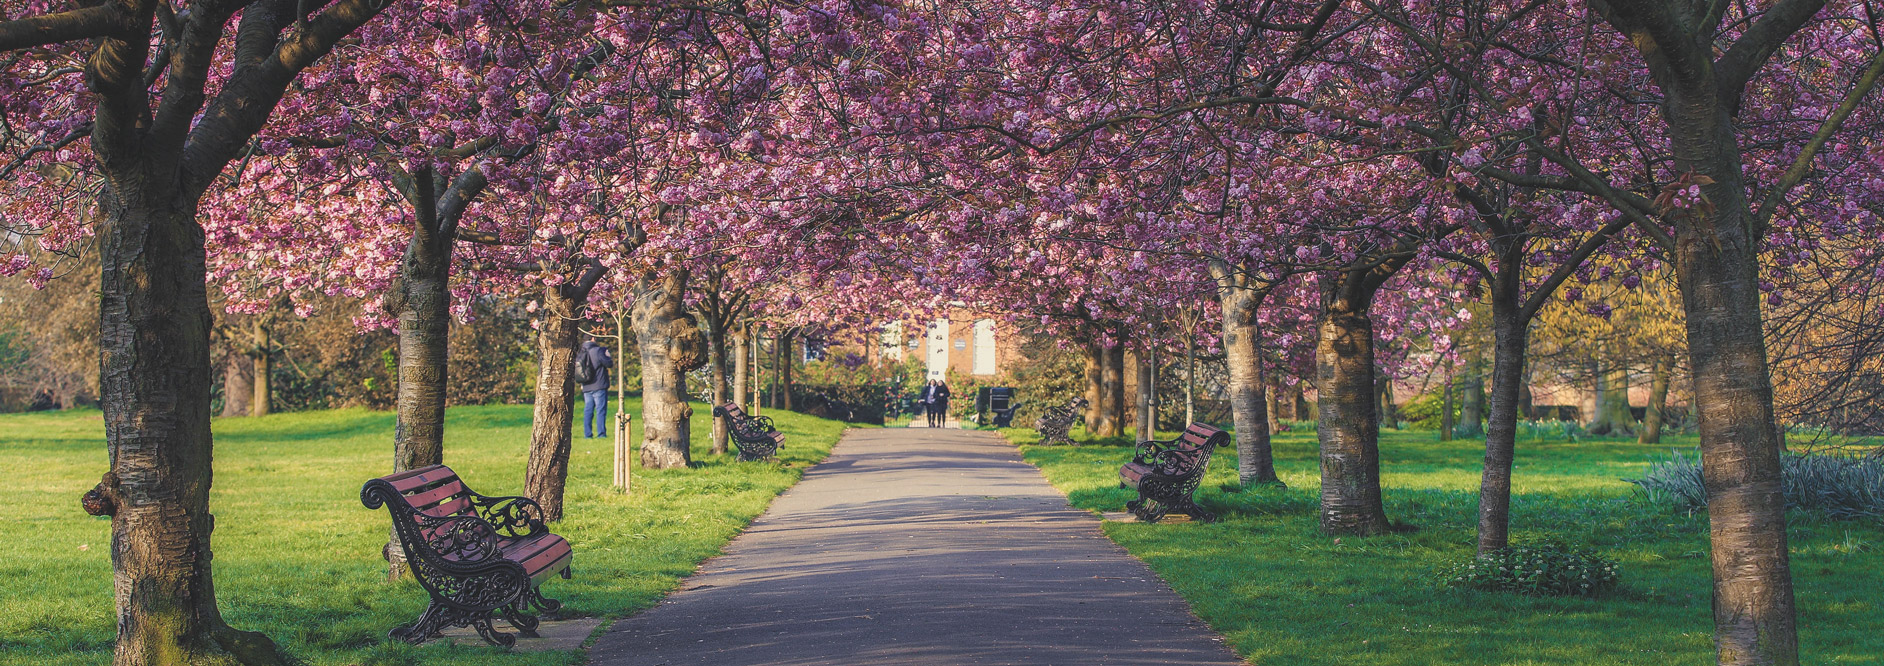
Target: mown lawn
(298, 557)
(1285, 594)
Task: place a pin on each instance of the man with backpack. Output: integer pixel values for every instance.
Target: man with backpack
(592, 364)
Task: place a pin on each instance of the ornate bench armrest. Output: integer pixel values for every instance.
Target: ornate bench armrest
(511, 517)
(763, 423)
(454, 541)
(1154, 452)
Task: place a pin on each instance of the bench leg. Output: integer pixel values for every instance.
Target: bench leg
(525, 623)
(438, 616)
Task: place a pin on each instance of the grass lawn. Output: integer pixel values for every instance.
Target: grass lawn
(298, 557)
(1285, 594)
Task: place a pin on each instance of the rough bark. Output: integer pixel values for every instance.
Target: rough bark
(1657, 402)
(261, 369)
(1112, 383)
(717, 359)
(1349, 428)
(1146, 398)
(154, 344)
(742, 368)
(1242, 354)
(1510, 333)
(1472, 396)
(1716, 252)
(1612, 401)
(237, 372)
(1094, 357)
(671, 345)
(788, 357)
(1389, 413)
(557, 338)
(1190, 378)
(424, 307)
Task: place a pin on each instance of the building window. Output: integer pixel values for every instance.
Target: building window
(984, 347)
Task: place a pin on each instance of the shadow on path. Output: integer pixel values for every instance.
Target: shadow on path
(918, 547)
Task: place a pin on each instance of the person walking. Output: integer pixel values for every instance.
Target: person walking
(592, 364)
(927, 399)
(938, 404)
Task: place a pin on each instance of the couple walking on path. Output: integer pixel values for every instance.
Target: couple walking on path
(935, 402)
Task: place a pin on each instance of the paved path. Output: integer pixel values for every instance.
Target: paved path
(918, 546)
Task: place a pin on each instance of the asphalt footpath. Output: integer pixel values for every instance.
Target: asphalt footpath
(918, 546)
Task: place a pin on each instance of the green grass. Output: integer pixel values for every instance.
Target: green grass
(1285, 594)
(298, 557)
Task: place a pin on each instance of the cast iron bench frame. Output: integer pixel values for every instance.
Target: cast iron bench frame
(1166, 473)
(478, 556)
(1054, 424)
(755, 435)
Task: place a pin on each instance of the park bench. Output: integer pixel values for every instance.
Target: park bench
(1166, 473)
(1057, 421)
(478, 556)
(755, 436)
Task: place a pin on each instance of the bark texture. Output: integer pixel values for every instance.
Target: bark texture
(154, 344)
(1349, 427)
(1613, 416)
(237, 372)
(1147, 398)
(671, 345)
(1510, 336)
(1716, 253)
(1472, 396)
(557, 338)
(1651, 432)
(262, 368)
(1242, 351)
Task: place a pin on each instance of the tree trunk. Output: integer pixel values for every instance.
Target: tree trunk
(154, 342)
(1349, 428)
(262, 371)
(671, 345)
(1612, 401)
(237, 373)
(557, 337)
(1472, 396)
(788, 357)
(1112, 423)
(742, 366)
(718, 362)
(1190, 378)
(778, 358)
(1445, 409)
(424, 299)
(1510, 332)
(1095, 366)
(1657, 402)
(422, 295)
(1527, 404)
(1146, 397)
(1754, 617)
(1271, 396)
(1249, 414)
(1389, 413)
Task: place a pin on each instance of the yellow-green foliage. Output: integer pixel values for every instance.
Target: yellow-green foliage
(1285, 594)
(298, 557)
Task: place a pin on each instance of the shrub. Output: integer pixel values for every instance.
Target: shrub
(1844, 487)
(1548, 568)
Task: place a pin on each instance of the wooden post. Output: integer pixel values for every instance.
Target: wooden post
(624, 466)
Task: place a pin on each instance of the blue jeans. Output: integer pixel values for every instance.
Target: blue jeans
(594, 412)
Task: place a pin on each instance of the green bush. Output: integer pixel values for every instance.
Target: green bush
(1845, 487)
(1547, 568)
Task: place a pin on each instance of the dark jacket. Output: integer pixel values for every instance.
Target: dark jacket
(598, 356)
(938, 395)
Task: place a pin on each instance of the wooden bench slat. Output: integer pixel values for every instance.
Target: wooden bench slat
(419, 478)
(426, 498)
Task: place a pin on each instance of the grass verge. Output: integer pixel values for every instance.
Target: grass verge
(1283, 593)
(298, 557)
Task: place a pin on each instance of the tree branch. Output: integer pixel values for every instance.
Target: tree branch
(46, 29)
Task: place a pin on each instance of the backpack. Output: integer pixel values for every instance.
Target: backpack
(585, 368)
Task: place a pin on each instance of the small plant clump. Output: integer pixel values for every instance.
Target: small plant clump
(1547, 568)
